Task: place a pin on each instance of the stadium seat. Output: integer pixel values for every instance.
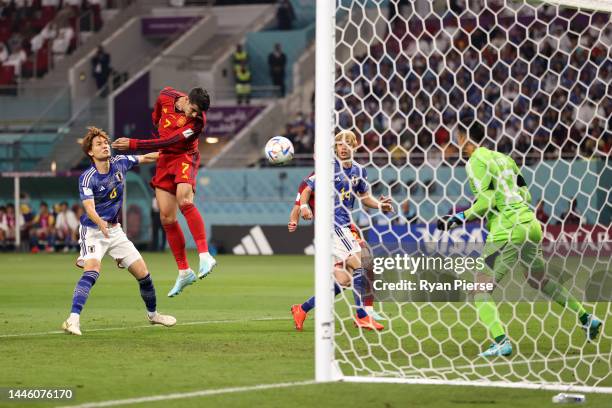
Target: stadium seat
(7, 75)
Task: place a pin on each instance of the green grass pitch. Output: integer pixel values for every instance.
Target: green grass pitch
(234, 330)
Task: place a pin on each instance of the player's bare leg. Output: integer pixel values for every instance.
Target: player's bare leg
(184, 197)
(139, 270)
(168, 208)
(72, 325)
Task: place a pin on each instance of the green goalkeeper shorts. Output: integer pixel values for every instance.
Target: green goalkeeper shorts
(509, 249)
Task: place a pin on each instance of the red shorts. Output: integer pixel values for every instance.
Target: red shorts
(173, 169)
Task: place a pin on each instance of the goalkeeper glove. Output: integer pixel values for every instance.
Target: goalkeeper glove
(449, 222)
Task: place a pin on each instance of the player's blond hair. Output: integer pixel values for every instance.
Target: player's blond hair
(92, 133)
(348, 137)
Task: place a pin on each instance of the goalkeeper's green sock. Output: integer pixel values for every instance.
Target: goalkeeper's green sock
(562, 296)
(487, 312)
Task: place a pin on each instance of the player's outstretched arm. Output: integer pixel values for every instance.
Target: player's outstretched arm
(186, 132)
(148, 158)
(383, 203)
(90, 210)
(485, 201)
(294, 218)
(305, 210)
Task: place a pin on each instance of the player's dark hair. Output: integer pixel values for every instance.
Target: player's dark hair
(92, 133)
(44, 204)
(200, 98)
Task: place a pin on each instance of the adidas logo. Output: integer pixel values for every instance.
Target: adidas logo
(102, 188)
(255, 243)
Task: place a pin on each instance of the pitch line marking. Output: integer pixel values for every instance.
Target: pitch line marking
(260, 319)
(192, 394)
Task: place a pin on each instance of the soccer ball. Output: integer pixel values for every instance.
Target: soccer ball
(279, 150)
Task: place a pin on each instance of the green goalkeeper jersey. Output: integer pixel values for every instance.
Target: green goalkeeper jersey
(493, 180)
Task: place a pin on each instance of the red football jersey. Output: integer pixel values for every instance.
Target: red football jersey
(177, 133)
(311, 201)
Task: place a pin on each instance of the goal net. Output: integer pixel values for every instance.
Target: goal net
(423, 84)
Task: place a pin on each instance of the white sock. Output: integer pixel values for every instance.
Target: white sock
(204, 255)
(369, 309)
(74, 317)
(184, 272)
(151, 314)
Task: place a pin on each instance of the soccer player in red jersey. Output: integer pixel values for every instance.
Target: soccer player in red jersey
(180, 119)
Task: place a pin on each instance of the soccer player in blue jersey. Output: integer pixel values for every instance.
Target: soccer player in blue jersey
(350, 181)
(101, 190)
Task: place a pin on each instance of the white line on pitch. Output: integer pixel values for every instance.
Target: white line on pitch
(260, 319)
(192, 394)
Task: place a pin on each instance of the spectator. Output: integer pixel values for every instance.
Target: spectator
(277, 61)
(61, 43)
(11, 222)
(158, 230)
(49, 32)
(42, 229)
(66, 226)
(4, 53)
(285, 15)
(571, 216)
(100, 68)
(239, 56)
(541, 214)
(243, 84)
(16, 59)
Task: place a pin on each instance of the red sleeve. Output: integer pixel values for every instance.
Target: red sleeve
(301, 188)
(186, 132)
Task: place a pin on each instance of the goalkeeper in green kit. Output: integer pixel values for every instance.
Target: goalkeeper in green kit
(514, 240)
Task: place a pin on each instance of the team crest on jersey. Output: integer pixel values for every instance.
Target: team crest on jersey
(91, 248)
(181, 121)
(119, 176)
(354, 180)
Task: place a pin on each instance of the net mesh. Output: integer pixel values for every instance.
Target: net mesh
(423, 84)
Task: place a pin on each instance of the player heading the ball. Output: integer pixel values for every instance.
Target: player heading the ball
(101, 190)
(180, 119)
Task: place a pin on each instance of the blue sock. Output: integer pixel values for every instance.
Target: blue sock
(81, 291)
(308, 305)
(359, 281)
(147, 291)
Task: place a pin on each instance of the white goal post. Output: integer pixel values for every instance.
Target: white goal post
(428, 342)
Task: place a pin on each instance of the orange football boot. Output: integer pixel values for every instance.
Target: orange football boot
(368, 323)
(299, 315)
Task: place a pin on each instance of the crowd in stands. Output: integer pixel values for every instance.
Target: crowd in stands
(541, 93)
(35, 33)
(50, 228)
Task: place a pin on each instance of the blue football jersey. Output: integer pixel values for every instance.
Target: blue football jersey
(347, 182)
(105, 189)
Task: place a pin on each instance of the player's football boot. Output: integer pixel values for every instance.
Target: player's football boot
(375, 315)
(207, 263)
(368, 323)
(72, 327)
(164, 320)
(592, 328)
(299, 315)
(181, 283)
(498, 349)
